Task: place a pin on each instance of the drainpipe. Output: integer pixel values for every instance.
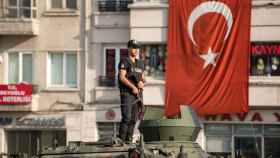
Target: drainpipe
(83, 51)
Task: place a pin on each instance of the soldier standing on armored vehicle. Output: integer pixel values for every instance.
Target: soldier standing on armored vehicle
(131, 84)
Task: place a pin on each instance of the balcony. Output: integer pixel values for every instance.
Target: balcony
(113, 5)
(18, 19)
(106, 81)
(107, 92)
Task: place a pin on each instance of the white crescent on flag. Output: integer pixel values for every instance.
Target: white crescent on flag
(210, 7)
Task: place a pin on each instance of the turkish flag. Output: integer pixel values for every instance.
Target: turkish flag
(208, 56)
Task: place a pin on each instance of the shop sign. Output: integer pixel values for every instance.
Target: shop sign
(15, 94)
(41, 121)
(5, 120)
(246, 117)
(265, 48)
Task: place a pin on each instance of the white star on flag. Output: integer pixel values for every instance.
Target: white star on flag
(209, 58)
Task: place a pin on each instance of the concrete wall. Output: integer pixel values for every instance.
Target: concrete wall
(148, 24)
(265, 27)
(107, 30)
(58, 31)
(110, 27)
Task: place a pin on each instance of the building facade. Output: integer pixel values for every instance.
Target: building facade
(227, 136)
(43, 43)
(69, 50)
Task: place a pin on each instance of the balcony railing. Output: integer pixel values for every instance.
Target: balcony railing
(18, 13)
(107, 81)
(113, 5)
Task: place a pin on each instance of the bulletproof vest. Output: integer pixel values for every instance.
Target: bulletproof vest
(133, 74)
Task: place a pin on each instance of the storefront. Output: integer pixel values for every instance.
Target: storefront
(29, 134)
(265, 59)
(252, 135)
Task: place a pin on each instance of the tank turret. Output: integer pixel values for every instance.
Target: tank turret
(156, 128)
(172, 138)
(160, 138)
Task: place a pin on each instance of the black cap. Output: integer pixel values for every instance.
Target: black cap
(133, 44)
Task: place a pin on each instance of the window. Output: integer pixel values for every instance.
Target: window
(21, 9)
(271, 141)
(218, 139)
(265, 59)
(250, 147)
(62, 69)
(271, 148)
(72, 4)
(113, 5)
(244, 140)
(20, 67)
(154, 57)
(218, 144)
(64, 4)
(30, 143)
(112, 59)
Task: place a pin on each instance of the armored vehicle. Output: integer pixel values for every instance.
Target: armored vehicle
(161, 138)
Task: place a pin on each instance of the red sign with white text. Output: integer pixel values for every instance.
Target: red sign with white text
(15, 94)
(264, 48)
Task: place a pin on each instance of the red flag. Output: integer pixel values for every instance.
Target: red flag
(208, 56)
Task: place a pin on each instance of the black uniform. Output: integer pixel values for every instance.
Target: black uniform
(129, 104)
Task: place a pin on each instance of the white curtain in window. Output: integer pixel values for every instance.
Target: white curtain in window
(27, 68)
(13, 72)
(218, 143)
(71, 70)
(56, 68)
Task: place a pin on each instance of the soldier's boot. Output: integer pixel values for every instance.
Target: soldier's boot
(128, 141)
(116, 141)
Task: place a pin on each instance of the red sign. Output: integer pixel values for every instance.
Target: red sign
(265, 48)
(208, 56)
(15, 94)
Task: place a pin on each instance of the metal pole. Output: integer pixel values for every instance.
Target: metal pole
(83, 50)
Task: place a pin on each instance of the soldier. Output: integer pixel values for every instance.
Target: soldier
(131, 84)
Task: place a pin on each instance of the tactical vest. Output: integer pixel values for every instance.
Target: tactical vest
(133, 74)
